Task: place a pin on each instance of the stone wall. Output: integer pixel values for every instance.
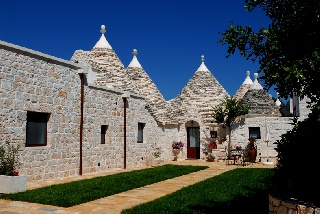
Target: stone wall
(104, 106)
(31, 81)
(277, 126)
(280, 206)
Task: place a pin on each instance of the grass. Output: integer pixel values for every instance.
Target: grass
(78, 192)
(243, 190)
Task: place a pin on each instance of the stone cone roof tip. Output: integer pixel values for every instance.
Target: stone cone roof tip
(134, 62)
(103, 43)
(278, 102)
(202, 67)
(244, 87)
(256, 85)
(248, 79)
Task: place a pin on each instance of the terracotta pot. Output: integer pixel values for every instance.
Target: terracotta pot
(176, 151)
(252, 153)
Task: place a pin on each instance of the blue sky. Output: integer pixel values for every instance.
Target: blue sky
(170, 35)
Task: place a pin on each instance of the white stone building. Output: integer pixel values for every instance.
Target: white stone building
(92, 114)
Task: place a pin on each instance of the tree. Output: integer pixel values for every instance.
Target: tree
(228, 110)
(287, 51)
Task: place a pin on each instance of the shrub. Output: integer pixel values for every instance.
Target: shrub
(9, 159)
(295, 175)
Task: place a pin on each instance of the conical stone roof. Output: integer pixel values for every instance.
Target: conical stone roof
(155, 101)
(244, 87)
(112, 72)
(260, 102)
(203, 91)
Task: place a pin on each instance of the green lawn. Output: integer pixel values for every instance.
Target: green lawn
(243, 190)
(78, 192)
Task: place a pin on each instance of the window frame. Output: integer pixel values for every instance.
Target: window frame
(36, 120)
(140, 132)
(255, 130)
(103, 132)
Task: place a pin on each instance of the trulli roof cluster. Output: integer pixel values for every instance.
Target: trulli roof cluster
(200, 94)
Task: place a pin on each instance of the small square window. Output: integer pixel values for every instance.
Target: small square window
(140, 132)
(254, 132)
(213, 134)
(37, 128)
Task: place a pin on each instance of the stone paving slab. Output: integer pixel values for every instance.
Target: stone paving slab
(116, 203)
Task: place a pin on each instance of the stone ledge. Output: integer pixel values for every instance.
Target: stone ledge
(279, 206)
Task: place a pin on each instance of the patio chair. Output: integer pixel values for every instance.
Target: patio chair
(231, 158)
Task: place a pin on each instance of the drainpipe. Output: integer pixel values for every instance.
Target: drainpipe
(124, 97)
(124, 132)
(81, 119)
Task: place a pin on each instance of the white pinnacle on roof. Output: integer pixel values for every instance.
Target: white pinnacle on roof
(202, 67)
(256, 85)
(134, 62)
(278, 102)
(248, 79)
(103, 43)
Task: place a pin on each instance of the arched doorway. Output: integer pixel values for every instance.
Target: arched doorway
(193, 140)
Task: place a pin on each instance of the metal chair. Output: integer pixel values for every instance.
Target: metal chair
(231, 158)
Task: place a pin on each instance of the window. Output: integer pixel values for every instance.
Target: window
(254, 132)
(213, 134)
(103, 133)
(140, 132)
(37, 128)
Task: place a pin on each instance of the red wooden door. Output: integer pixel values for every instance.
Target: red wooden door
(193, 142)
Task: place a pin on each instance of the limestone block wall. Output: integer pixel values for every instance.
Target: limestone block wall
(280, 206)
(32, 81)
(171, 133)
(104, 106)
(277, 126)
(303, 108)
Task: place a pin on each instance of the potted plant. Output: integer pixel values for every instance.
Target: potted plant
(222, 139)
(177, 146)
(213, 145)
(252, 150)
(10, 180)
(210, 158)
(238, 147)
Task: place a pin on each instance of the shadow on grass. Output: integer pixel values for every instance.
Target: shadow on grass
(258, 203)
(237, 191)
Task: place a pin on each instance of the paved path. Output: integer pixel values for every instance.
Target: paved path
(116, 203)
